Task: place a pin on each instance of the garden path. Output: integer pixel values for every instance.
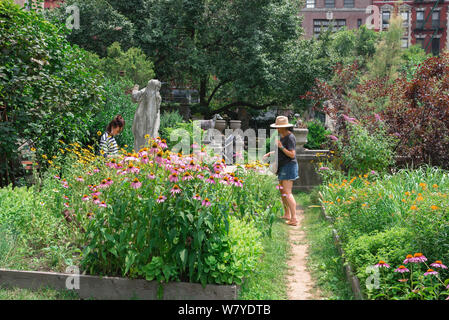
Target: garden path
(300, 284)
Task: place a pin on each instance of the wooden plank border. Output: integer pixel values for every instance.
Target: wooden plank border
(350, 276)
(114, 288)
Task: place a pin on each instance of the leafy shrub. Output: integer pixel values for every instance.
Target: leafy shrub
(367, 151)
(317, 135)
(116, 102)
(169, 119)
(47, 90)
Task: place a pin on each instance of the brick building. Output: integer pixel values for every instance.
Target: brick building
(46, 4)
(426, 22)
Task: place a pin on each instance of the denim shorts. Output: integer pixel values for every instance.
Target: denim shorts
(288, 171)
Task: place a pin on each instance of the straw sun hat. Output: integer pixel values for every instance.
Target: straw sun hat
(281, 122)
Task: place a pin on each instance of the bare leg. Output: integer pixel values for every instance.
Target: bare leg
(287, 214)
(291, 202)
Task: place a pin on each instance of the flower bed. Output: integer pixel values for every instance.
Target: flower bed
(153, 214)
(389, 218)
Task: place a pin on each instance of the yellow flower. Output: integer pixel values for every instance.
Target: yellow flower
(99, 133)
(50, 162)
(420, 198)
(126, 146)
(364, 204)
(435, 186)
(33, 149)
(44, 156)
(147, 136)
(407, 193)
(434, 207)
(413, 207)
(101, 151)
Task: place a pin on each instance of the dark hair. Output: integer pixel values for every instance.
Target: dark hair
(118, 121)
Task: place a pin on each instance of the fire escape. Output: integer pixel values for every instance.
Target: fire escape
(435, 27)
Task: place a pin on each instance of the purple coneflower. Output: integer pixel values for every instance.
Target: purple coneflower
(103, 184)
(333, 137)
(351, 120)
(237, 182)
(173, 177)
(408, 258)
(438, 264)
(158, 157)
(95, 200)
(136, 184)
(56, 177)
(79, 178)
(161, 199)
(66, 204)
(382, 264)
(418, 257)
(102, 204)
(85, 197)
(89, 173)
(402, 269)
(154, 147)
(279, 187)
(96, 193)
(151, 176)
(197, 197)
(187, 176)
(109, 181)
(430, 271)
(200, 176)
(163, 144)
(145, 159)
(96, 170)
(210, 180)
(175, 189)
(323, 168)
(206, 202)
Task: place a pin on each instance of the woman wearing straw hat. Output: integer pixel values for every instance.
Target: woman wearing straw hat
(287, 167)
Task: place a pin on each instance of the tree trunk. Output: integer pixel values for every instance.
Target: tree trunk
(203, 90)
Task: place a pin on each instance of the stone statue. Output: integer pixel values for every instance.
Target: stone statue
(147, 116)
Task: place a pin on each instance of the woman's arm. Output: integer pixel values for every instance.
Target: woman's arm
(288, 153)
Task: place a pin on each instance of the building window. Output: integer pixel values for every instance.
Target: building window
(435, 46)
(385, 19)
(405, 16)
(321, 25)
(420, 42)
(310, 4)
(419, 19)
(348, 3)
(359, 23)
(329, 3)
(435, 19)
(404, 43)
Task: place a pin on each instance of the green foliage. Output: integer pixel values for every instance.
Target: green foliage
(100, 25)
(412, 57)
(48, 90)
(317, 135)
(116, 102)
(367, 151)
(169, 120)
(134, 63)
(387, 217)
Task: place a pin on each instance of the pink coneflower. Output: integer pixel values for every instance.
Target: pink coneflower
(237, 182)
(95, 199)
(96, 193)
(382, 264)
(103, 184)
(109, 181)
(102, 204)
(284, 195)
(173, 177)
(56, 177)
(163, 144)
(89, 173)
(373, 172)
(430, 271)
(225, 180)
(90, 215)
(175, 189)
(418, 257)
(66, 204)
(279, 187)
(408, 258)
(210, 180)
(206, 202)
(158, 157)
(351, 120)
(438, 264)
(216, 175)
(96, 170)
(85, 197)
(154, 147)
(323, 168)
(65, 197)
(200, 176)
(161, 199)
(145, 159)
(130, 158)
(187, 176)
(333, 137)
(132, 168)
(377, 116)
(197, 197)
(402, 269)
(136, 184)
(151, 176)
